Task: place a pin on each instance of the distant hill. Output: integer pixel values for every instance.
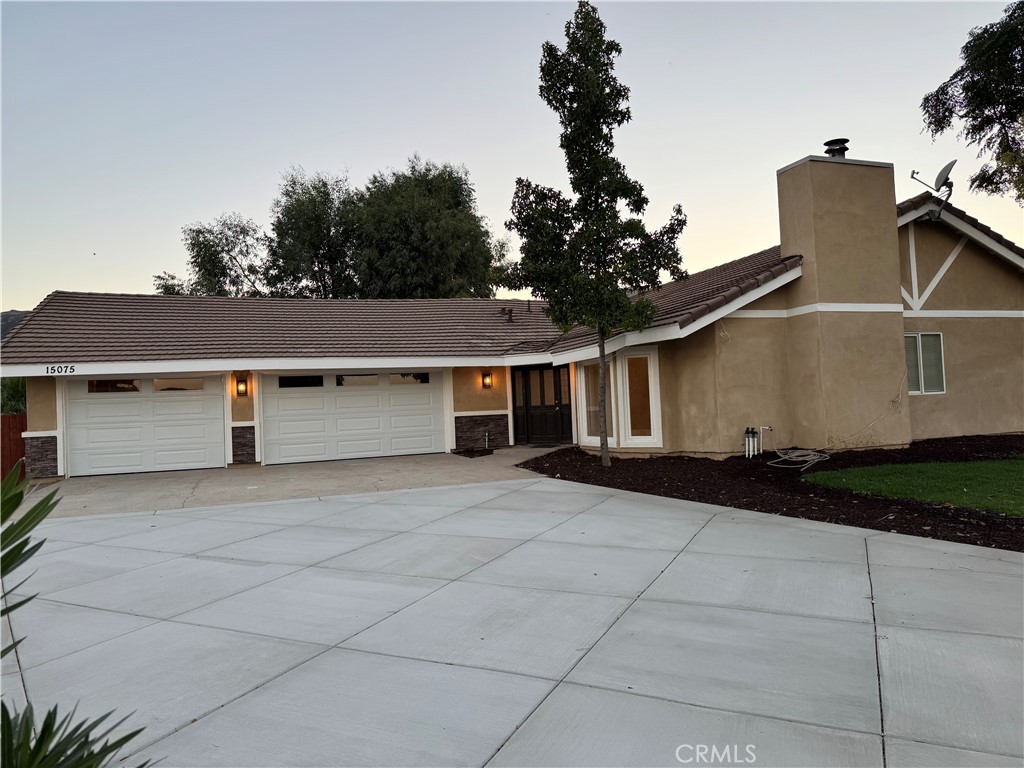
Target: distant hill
(9, 320)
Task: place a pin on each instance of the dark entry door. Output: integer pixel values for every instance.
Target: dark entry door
(542, 405)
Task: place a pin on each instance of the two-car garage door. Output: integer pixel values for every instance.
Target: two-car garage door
(148, 425)
(145, 425)
(324, 416)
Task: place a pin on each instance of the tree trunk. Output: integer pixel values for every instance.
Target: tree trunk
(602, 399)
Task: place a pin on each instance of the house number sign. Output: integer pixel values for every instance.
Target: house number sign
(60, 369)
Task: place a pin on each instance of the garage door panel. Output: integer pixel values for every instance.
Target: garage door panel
(382, 420)
(184, 458)
(349, 424)
(182, 408)
(348, 449)
(145, 431)
(420, 444)
(312, 451)
(413, 421)
(362, 400)
(298, 405)
(118, 462)
(115, 410)
(305, 427)
(83, 438)
(188, 432)
(411, 399)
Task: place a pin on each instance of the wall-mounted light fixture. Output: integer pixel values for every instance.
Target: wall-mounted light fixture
(242, 387)
(485, 380)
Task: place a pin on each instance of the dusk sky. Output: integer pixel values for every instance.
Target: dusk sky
(123, 122)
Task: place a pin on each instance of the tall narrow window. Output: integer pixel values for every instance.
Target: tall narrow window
(639, 385)
(925, 368)
(591, 386)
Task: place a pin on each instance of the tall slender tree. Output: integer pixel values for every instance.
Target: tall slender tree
(591, 257)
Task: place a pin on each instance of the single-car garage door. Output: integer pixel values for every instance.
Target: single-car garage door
(325, 416)
(145, 425)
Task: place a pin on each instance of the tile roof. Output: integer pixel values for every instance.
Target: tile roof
(69, 327)
(920, 201)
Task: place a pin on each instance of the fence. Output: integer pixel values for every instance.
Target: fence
(12, 445)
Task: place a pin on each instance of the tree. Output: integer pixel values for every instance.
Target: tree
(421, 236)
(986, 95)
(310, 252)
(225, 258)
(591, 257)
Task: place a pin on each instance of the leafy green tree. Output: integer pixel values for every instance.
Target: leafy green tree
(12, 394)
(421, 236)
(591, 257)
(225, 258)
(986, 96)
(310, 252)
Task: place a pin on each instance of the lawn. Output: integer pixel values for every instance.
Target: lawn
(993, 485)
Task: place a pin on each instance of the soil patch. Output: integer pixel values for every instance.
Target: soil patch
(754, 484)
(474, 453)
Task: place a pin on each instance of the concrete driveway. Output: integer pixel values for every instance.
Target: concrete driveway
(145, 492)
(525, 622)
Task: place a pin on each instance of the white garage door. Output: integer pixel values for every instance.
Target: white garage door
(145, 425)
(325, 416)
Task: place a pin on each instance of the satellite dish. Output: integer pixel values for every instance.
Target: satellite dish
(943, 178)
(942, 185)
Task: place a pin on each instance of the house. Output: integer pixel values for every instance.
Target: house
(872, 324)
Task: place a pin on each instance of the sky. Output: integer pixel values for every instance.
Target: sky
(123, 122)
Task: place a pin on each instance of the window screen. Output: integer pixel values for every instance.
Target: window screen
(925, 372)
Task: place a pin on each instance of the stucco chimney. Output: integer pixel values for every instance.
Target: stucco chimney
(845, 341)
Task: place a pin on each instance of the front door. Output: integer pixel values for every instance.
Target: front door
(542, 405)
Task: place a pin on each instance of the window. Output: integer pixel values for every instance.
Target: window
(357, 380)
(97, 386)
(925, 372)
(591, 399)
(297, 382)
(409, 378)
(638, 386)
(640, 397)
(177, 385)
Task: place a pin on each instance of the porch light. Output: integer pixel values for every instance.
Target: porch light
(485, 380)
(242, 387)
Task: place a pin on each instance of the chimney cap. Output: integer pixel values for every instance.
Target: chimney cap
(836, 147)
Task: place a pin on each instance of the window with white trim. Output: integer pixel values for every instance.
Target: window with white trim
(925, 369)
(641, 393)
(590, 402)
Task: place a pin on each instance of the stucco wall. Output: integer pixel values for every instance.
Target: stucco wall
(983, 357)
(721, 380)
(41, 403)
(984, 377)
(469, 394)
(241, 407)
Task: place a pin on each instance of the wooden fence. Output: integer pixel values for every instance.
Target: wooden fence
(12, 445)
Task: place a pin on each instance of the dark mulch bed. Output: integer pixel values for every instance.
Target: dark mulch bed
(753, 484)
(474, 453)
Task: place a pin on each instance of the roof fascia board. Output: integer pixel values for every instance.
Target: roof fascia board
(673, 330)
(966, 229)
(270, 365)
